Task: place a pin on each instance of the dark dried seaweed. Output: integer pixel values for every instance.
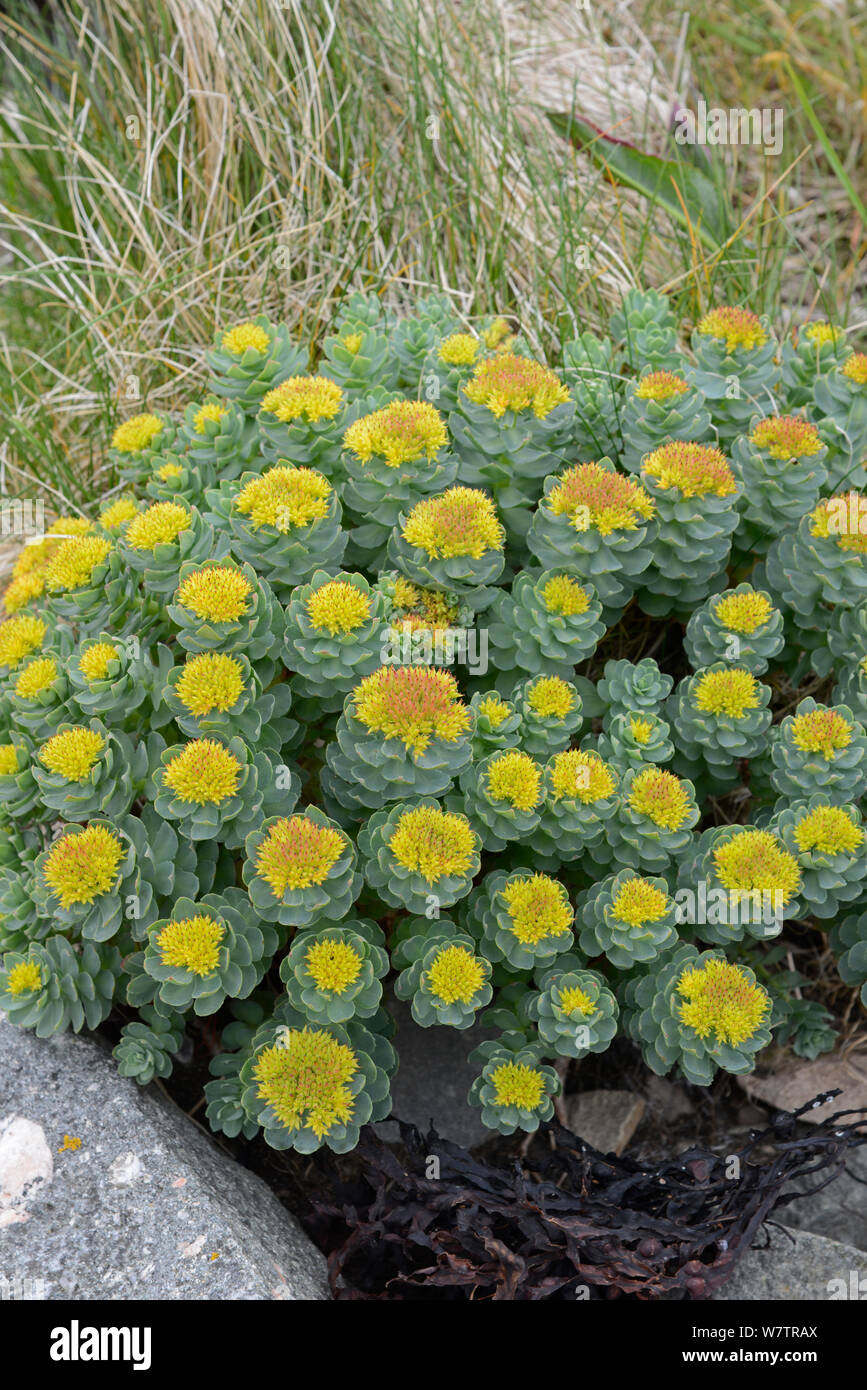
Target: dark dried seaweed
(571, 1222)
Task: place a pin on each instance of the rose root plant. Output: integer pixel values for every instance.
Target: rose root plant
(530, 693)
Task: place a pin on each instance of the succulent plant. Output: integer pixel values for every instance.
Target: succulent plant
(581, 796)
(452, 542)
(116, 515)
(448, 366)
(163, 538)
(780, 467)
(598, 524)
(385, 580)
(55, 985)
(652, 825)
(740, 625)
(694, 494)
(822, 560)
(573, 1010)
(223, 1096)
(812, 350)
(414, 335)
(21, 636)
(300, 869)
(849, 943)
(627, 918)
(802, 1024)
(219, 695)
(414, 854)
(403, 731)
(519, 918)
(545, 626)
(312, 1084)
(512, 416)
(359, 358)
(851, 687)
(829, 844)
(215, 788)
(736, 370)
(721, 715)
(550, 710)
(819, 748)
(333, 972)
(738, 881)
(19, 790)
(177, 478)
(430, 627)
(632, 740)
(662, 406)
(226, 607)
(360, 310)
(135, 441)
(118, 681)
(88, 582)
(219, 438)
(513, 1089)
(89, 882)
(700, 1012)
(203, 953)
(441, 972)
(840, 396)
(304, 419)
(335, 627)
(496, 724)
(284, 522)
(502, 794)
(646, 324)
(38, 697)
(393, 458)
(846, 640)
(630, 687)
(592, 371)
(249, 359)
(147, 1046)
(87, 770)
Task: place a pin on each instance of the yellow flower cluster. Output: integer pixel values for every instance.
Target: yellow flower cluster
(593, 497)
(403, 432)
(433, 843)
(456, 975)
(694, 470)
(515, 778)
(745, 612)
(508, 382)
(297, 853)
(305, 1079)
(412, 704)
(538, 907)
(285, 497)
(460, 521)
(719, 999)
(737, 328)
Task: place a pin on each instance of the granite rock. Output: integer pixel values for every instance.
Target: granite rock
(605, 1119)
(434, 1078)
(107, 1191)
(798, 1267)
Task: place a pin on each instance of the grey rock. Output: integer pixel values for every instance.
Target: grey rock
(666, 1100)
(798, 1267)
(798, 1082)
(605, 1119)
(839, 1211)
(146, 1207)
(434, 1078)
